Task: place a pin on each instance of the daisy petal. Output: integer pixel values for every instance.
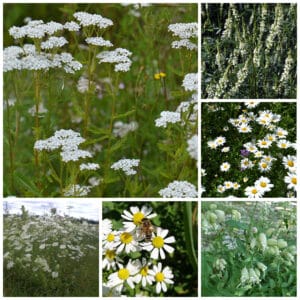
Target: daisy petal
(154, 253)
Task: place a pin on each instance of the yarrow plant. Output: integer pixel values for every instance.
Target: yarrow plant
(247, 250)
(260, 157)
(130, 119)
(249, 50)
(134, 255)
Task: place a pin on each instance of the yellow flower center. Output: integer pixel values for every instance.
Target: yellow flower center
(244, 128)
(263, 184)
(264, 143)
(290, 163)
(246, 163)
(138, 217)
(279, 133)
(144, 271)
(123, 274)
(283, 145)
(254, 191)
(264, 165)
(270, 138)
(126, 238)
(159, 277)
(110, 254)
(294, 180)
(110, 237)
(158, 242)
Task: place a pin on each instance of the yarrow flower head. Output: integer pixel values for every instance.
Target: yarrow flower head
(119, 56)
(86, 19)
(179, 189)
(167, 117)
(126, 165)
(190, 82)
(98, 41)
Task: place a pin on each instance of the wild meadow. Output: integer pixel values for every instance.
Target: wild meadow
(249, 249)
(249, 51)
(100, 100)
(150, 249)
(249, 150)
(49, 255)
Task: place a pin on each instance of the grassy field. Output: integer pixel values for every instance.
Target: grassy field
(249, 249)
(114, 112)
(50, 256)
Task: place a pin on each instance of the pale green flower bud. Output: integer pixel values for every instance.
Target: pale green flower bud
(213, 206)
(270, 231)
(281, 244)
(244, 275)
(220, 264)
(221, 215)
(257, 272)
(253, 278)
(261, 266)
(212, 218)
(236, 215)
(272, 242)
(253, 243)
(289, 256)
(263, 241)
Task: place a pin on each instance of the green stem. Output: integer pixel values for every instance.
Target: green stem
(189, 239)
(37, 99)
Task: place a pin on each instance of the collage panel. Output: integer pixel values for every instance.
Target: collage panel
(101, 99)
(248, 149)
(249, 249)
(150, 249)
(249, 51)
(50, 248)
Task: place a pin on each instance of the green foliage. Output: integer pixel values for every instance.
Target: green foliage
(249, 51)
(238, 243)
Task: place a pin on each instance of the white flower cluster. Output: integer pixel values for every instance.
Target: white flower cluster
(126, 165)
(86, 19)
(72, 26)
(192, 148)
(167, 117)
(54, 42)
(185, 31)
(179, 189)
(190, 82)
(89, 166)
(119, 244)
(77, 190)
(35, 29)
(68, 141)
(26, 58)
(119, 56)
(47, 242)
(98, 41)
(121, 129)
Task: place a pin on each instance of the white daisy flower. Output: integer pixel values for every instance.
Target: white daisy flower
(264, 143)
(135, 216)
(110, 260)
(225, 167)
(253, 192)
(159, 243)
(251, 104)
(291, 180)
(162, 277)
(283, 144)
(281, 133)
(264, 166)
(228, 185)
(212, 144)
(250, 147)
(270, 137)
(236, 186)
(111, 240)
(220, 140)
(290, 162)
(264, 184)
(127, 243)
(221, 189)
(246, 163)
(244, 128)
(143, 275)
(225, 149)
(126, 274)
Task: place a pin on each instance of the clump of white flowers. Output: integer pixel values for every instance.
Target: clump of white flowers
(167, 117)
(121, 243)
(121, 129)
(85, 19)
(179, 189)
(126, 165)
(186, 32)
